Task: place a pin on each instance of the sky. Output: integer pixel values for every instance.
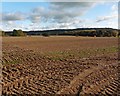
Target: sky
(58, 15)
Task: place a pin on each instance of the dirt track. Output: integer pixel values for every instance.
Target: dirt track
(26, 71)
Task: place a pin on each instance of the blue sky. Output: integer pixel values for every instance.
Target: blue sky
(21, 6)
(56, 15)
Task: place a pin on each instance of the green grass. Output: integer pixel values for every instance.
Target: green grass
(61, 55)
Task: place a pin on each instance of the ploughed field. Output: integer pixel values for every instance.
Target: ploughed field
(60, 65)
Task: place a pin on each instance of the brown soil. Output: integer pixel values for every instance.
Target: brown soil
(26, 71)
(60, 43)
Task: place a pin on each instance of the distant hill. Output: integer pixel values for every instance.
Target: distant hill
(99, 32)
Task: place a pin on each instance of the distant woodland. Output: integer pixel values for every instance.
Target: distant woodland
(92, 32)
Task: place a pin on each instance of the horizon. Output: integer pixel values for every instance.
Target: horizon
(58, 15)
(62, 29)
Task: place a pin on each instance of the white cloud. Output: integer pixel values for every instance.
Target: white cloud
(13, 16)
(35, 18)
(71, 4)
(38, 9)
(59, 12)
(10, 22)
(111, 16)
(113, 24)
(114, 7)
(58, 15)
(106, 18)
(64, 11)
(83, 0)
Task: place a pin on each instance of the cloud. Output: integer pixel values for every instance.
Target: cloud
(111, 16)
(106, 18)
(35, 18)
(111, 24)
(64, 11)
(71, 4)
(17, 16)
(114, 7)
(38, 9)
(74, 22)
(9, 20)
(56, 15)
(38, 15)
(59, 12)
(56, 12)
(80, 0)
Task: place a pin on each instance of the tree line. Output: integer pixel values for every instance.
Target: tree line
(14, 33)
(91, 33)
